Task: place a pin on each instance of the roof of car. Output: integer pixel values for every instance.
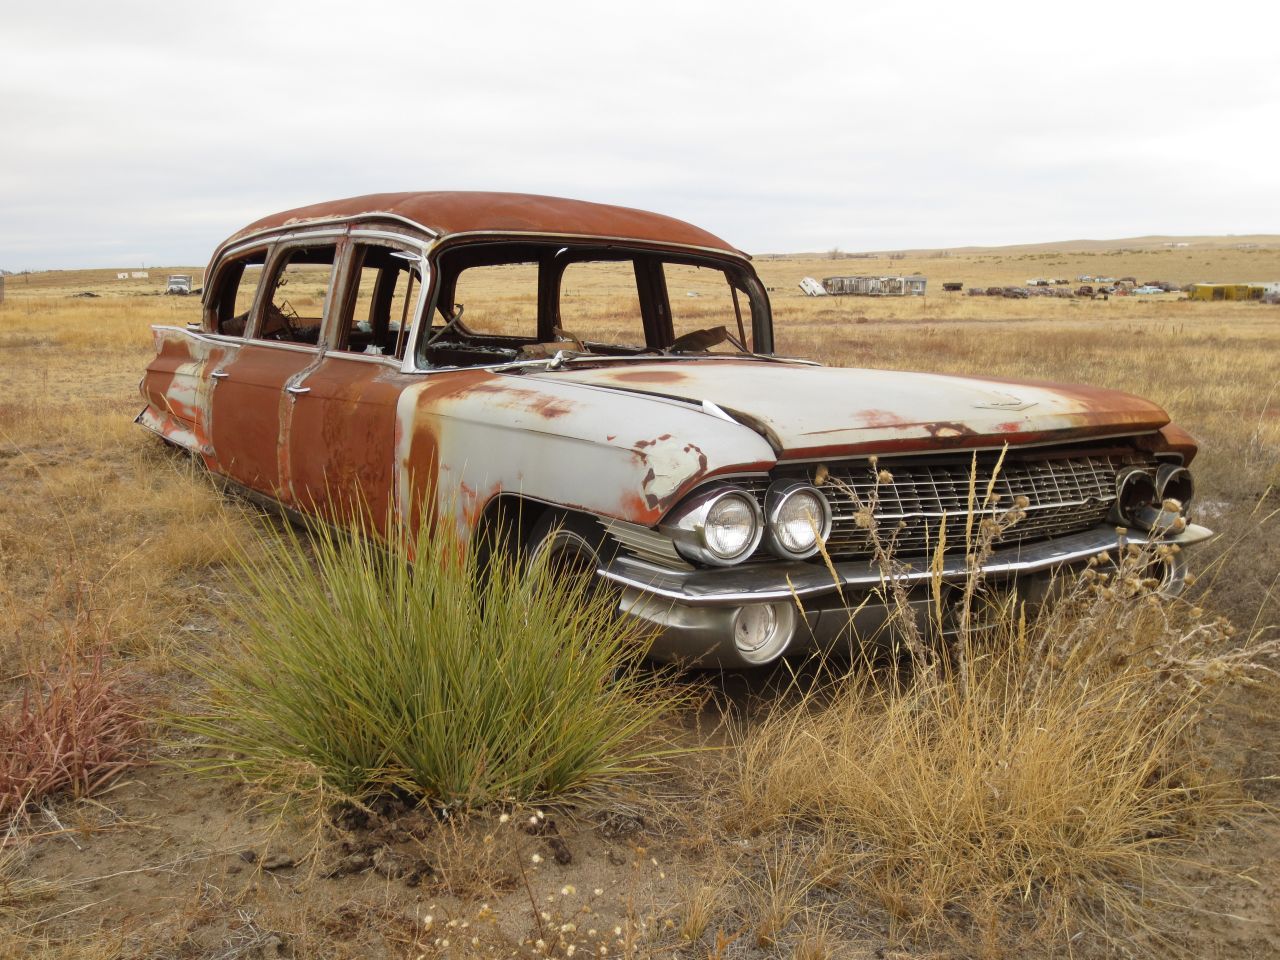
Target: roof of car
(453, 212)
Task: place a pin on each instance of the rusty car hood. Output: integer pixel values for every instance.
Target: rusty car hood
(811, 411)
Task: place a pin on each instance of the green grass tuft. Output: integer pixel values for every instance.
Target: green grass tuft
(372, 672)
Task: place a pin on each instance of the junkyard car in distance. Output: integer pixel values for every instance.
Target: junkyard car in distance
(603, 381)
(178, 284)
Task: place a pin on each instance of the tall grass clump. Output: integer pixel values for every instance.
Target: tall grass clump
(373, 667)
(1030, 778)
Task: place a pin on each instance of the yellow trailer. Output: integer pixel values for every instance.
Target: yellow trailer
(1226, 291)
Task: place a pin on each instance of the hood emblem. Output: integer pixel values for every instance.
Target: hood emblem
(1004, 401)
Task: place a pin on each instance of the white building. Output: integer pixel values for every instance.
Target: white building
(875, 286)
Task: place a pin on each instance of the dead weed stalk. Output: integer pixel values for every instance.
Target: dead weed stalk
(1039, 776)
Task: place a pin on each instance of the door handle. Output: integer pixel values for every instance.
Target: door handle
(219, 374)
(298, 391)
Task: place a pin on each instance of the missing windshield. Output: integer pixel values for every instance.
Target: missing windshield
(504, 302)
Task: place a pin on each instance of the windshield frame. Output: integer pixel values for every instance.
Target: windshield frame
(553, 255)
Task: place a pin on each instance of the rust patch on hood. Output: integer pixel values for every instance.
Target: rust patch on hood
(881, 418)
(642, 444)
(550, 407)
(647, 376)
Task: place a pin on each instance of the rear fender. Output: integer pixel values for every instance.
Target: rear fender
(178, 390)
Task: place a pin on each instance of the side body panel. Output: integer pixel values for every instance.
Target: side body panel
(250, 409)
(367, 435)
(342, 438)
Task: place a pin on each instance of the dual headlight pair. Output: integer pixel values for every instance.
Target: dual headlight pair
(724, 525)
(1141, 498)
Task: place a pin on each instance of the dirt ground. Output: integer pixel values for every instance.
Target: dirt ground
(101, 534)
(170, 864)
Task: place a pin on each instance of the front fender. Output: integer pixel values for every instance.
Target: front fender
(474, 434)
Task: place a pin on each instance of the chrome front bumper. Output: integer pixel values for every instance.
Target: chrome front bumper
(692, 612)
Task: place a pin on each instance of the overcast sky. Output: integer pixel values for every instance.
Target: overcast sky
(138, 134)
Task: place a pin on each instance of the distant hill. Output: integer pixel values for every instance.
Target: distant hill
(1131, 243)
(1228, 241)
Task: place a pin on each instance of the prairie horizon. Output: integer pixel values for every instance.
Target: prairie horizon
(146, 572)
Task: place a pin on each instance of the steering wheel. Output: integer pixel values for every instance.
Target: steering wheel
(284, 314)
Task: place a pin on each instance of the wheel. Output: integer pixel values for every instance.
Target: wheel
(574, 546)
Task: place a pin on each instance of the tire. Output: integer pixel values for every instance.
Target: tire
(576, 545)
(579, 547)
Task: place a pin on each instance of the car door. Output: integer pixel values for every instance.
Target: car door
(254, 391)
(342, 431)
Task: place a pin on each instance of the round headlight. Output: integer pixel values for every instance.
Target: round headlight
(730, 527)
(719, 525)
(1174, 483)
(799, 519)
(1135, 492)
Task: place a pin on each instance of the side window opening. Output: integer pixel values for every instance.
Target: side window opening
(379, 316)
(295, 308)
(237, 285)
(487, 310)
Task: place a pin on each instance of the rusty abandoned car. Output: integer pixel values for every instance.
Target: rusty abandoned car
(607, 376)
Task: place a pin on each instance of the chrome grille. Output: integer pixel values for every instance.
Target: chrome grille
(645, 544)
(1066, 493)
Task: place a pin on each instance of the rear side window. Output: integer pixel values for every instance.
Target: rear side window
(380, 313)
(293, 310)
(238, 284)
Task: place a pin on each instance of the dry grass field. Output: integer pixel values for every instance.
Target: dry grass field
(113, 548)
